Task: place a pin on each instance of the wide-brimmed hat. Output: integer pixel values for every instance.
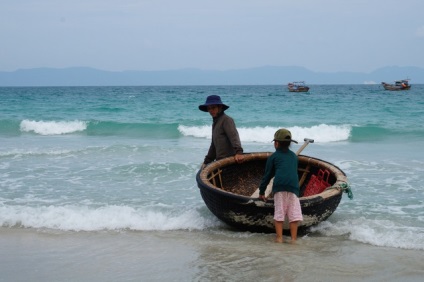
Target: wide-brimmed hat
(283, 135)
(212, 100)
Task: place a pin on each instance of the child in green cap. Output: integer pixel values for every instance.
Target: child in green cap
(282, 165)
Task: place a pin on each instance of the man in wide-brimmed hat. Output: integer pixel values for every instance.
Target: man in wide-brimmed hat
(225, 137)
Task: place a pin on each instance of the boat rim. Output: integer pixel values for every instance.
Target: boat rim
(331, 191)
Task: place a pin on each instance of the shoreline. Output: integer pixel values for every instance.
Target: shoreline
(196, 256)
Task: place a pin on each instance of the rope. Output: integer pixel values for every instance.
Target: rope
(346, 188)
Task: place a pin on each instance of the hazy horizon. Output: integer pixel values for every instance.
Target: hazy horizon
(83, 76)
(322, 36)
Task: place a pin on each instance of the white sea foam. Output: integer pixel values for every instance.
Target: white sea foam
(35, 152)
(322, 133)
(52, 127)
(196, 131)
(382, 233)
(83, 218)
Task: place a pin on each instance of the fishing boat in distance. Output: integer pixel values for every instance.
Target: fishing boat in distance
(297, 86)
(398, 85)
(230, 191)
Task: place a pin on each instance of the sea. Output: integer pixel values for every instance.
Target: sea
(98, 184)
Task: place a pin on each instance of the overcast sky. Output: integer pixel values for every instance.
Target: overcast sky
(117, 35)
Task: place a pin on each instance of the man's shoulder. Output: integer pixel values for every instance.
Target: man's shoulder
(224, 119)
(225, 116)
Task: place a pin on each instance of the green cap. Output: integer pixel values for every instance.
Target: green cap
(283, 135)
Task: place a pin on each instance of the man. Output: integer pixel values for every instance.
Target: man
(225, 137)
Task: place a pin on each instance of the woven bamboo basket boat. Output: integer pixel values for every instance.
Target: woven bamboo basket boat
(230, 192)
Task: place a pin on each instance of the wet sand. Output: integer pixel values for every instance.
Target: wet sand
(28, 254)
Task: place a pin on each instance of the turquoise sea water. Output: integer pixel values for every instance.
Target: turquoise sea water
(84, 160)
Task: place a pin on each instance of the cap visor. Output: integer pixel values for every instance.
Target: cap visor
(285, 140)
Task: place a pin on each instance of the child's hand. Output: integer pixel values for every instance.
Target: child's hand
(262, 197)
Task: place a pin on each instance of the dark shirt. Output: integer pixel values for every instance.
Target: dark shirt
(283, 166)
(225, 139)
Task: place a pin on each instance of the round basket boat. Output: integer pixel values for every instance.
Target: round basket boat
(230, 191)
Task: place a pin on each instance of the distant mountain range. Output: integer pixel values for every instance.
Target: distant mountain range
(267, 75)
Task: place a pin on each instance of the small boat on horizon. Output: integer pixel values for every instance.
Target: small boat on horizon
(297, 86)
(398, 85)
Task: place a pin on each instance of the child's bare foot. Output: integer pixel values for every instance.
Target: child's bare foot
(294, 241)
(278, 239)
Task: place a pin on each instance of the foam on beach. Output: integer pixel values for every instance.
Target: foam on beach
(376, 232)
(109, 217)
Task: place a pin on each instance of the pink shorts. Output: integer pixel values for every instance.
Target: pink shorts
(287, 204)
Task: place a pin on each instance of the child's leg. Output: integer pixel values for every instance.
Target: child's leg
(278, 216)
(294, 214)
(279, 231)
(293, 230)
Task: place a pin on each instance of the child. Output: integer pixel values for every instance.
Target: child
(282, 165)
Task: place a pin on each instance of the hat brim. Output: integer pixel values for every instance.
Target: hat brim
(204, 108)
(291, 140)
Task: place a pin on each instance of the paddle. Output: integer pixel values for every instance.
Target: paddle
(306, 170)
(307, 141)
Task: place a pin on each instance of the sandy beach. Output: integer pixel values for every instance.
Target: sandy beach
(33, 255)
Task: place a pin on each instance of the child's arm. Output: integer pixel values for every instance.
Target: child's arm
(268, 175)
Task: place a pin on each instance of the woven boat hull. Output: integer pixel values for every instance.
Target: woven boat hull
(226, 188)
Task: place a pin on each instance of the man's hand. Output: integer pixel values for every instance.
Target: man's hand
(239, 158)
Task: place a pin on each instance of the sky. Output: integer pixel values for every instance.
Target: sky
(119, 35)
